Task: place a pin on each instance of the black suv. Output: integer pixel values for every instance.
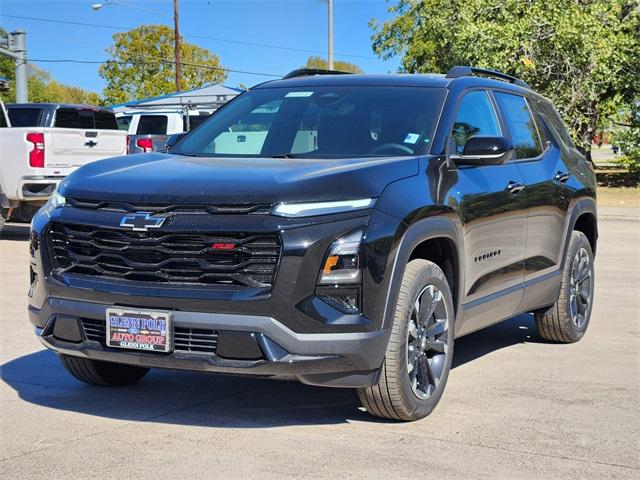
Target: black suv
(338, 229)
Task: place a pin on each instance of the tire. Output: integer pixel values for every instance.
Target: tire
(412, 380)
(102, 374)
(567, 320)
(1, 222)
(23, 213)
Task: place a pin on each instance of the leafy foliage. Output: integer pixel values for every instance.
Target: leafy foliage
(582, 54)
(142, 64)
(321, 63)
(627, 137)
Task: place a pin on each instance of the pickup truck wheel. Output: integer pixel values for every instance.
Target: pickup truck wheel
(567, 320)
(102, 374)
(418, 357)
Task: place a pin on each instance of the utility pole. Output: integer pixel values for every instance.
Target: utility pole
(16, 48)
(330, 8)
(176, 44)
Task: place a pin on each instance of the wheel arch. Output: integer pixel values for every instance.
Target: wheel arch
(586, 223)
(435, 239)
(582, 218)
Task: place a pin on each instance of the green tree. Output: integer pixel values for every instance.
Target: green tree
(582, 54)
(141, 65)
(627, 136)
(340, 65)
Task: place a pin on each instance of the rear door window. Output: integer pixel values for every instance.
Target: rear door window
(74, 118)
(24, 117)
(475, 116)
(524, 132)
(152, 125)
(105, 120)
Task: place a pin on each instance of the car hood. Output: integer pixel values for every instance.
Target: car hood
(177, 179)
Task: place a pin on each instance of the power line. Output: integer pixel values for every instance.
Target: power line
(154, 61)
(280, 47)
(204, 37)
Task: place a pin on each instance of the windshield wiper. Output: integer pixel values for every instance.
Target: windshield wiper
(185, 154)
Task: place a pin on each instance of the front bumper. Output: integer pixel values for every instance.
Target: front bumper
(329, 359)
(299, 335)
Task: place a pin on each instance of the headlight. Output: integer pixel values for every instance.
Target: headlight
(56, 200)
(342, 264)
(321, 208)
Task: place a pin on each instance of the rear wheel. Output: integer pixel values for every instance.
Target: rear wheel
(567, 320)
(419, 353)
(103, 374)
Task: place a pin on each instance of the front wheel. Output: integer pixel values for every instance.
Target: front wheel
(102, 374)
(420, 350)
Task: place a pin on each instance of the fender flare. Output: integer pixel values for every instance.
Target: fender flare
(415, 234)
(580, 207)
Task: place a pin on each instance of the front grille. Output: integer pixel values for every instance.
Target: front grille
(161, 257)
(241, 208)
(195, 340)
(94, 330)
(184, 339)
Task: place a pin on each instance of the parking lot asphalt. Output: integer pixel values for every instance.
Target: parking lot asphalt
(514, 407)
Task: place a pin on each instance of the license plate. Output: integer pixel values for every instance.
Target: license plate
(139, 329)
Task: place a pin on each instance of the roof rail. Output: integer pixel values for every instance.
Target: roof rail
(463, 71)
(306, 72)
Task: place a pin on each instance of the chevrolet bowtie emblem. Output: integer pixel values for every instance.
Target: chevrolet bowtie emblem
(91, 143)
(141, 222)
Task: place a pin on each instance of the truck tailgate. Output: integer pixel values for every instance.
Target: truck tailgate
(71, 147)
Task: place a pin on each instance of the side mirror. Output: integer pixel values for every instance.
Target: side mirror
(172, 140)
(483, 150)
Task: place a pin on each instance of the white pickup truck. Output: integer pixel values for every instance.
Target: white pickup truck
(42, 143)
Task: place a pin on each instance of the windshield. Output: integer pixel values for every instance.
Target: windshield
(320, 122)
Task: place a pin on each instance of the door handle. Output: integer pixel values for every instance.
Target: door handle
(562, 177)
(515, 187)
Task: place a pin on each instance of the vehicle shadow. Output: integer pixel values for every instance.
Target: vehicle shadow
(188, 398)
(15, 231)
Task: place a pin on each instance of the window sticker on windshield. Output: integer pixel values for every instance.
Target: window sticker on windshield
(411, 138)
(298, 94)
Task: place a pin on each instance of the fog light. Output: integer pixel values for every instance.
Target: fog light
(347, 300)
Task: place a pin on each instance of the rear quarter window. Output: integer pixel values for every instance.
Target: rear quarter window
(25, 117)
(152, 125)
(552, 120)
(105, 120)
(74, 118)
(194, 121)
(124, 122)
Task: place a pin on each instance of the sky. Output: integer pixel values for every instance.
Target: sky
(294, 24)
